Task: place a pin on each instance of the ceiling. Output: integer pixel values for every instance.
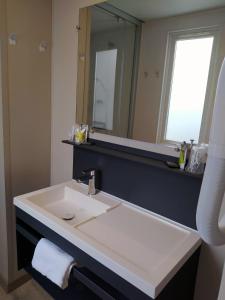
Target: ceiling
(153, 9)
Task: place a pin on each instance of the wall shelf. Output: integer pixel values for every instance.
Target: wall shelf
(129, 154)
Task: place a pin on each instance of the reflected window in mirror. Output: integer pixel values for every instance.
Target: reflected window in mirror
(187, 80)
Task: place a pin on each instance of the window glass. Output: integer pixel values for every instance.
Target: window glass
(188, 88)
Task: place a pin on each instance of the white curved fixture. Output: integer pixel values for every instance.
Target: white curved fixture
(213, 185)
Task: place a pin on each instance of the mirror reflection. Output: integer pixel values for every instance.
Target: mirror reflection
(148, 71)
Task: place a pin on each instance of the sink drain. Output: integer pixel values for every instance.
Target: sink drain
(68, 216)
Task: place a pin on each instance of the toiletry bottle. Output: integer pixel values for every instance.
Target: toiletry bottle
(80, 135)
(189, 148)
(183, 155)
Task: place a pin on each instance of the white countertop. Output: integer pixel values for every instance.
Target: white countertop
(143, 248)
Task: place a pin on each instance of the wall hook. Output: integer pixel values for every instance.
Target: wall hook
(12, 39)
(43, 46)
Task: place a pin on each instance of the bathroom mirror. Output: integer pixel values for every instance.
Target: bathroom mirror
(147, 70)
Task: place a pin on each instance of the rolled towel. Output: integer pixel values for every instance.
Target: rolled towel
(52, 262)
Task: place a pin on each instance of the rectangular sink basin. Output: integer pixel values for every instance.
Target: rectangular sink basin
(69, 205)
(144, 244)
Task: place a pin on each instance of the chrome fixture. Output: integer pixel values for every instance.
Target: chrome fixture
(89, 175)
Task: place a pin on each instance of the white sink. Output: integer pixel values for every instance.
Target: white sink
(69, 205)
(139, 246)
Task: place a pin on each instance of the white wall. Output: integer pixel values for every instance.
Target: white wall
(25, 114)
(3, 236)
(29, 94)
(4, 148)
(63, 114)
(29, 89)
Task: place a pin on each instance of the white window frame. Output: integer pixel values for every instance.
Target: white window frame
(172, 38)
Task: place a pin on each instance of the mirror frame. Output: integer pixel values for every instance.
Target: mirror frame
(168, 150)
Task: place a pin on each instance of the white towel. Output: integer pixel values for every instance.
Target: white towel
(52, 262)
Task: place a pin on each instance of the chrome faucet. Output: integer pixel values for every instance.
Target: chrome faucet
(89, 175)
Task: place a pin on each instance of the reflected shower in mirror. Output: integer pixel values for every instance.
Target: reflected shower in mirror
(148, 71)
(111, 66)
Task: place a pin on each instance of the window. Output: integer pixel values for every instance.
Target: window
(185, 86)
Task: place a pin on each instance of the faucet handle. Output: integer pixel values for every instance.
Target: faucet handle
(90, 172)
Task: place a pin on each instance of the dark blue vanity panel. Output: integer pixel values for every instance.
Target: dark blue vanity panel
(142, 178)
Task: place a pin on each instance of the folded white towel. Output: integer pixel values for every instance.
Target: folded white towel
(52, 262)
